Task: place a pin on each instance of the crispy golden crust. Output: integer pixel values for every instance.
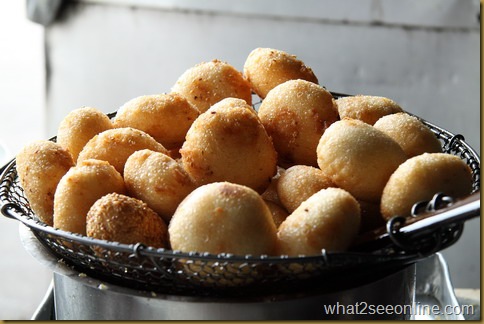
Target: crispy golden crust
(366, 108)
(266, 68)
(229, 143)
(124, 219)
(166, 117)
(40, 166)
(158, 180)
(116, 145)
(413, 136)
(300, 182)
(358, 158)
(223, 218)
(79, 189)
(79, 126)
(330, 219)
(422, 176)
(207, 83)
(295, 115)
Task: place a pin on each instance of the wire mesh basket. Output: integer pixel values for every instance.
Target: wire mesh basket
(176, 273)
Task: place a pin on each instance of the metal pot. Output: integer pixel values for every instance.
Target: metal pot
(80, 297)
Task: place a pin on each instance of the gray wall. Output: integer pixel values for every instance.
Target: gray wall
(423, 54)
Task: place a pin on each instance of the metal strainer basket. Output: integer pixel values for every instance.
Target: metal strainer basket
(200, 274)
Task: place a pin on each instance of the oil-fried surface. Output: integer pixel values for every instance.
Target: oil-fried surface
(358, 158)
(300, 182)
(166, 117)
(79, 189)
(329, 219)
(413, 136)
(124, 219)
(366, 108)
(295, 115)
(40, 166)
(266, 68)
(116, 145)
(229, 143)
(206, 83)
(421, 177)
(223, 218)
(79, 126)
(158, 180)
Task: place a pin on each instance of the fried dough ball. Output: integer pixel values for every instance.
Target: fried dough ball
(79, 189)
(279, 213)
(366, 108)
(329, 219)
(300, 182)
(420, 178)
(296, 114)
(158, 180)
(413, 136)
(40, 166)
(223, 217)
(127, 220)
(116, 145)
(79, 126)
(358, 158)
(266, 68)
(166, 117)
(207, 83)
(229, 143)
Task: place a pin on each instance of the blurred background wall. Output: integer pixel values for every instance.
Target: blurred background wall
(23, 281)
(423, 54)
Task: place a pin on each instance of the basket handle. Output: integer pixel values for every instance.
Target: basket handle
(410, 233)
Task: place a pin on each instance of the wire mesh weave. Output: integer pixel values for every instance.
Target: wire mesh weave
(172, 272)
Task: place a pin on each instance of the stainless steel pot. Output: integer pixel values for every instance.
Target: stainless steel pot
(80, 297)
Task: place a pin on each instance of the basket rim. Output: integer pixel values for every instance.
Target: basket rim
(13, 211)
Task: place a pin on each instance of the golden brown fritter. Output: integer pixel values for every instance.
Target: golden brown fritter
(223, 217)
(366, 108)
(420, 178)
(116, 145)
(358, 158)
(79, 126)
(295, 114)
(229, 143)
(79, 189)
(300, 182)
(266, 68)
(207, 83)
(330, 219)
(158, 180)
(413, 136)
(123, 219)
(166, 117)
(40, 166)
